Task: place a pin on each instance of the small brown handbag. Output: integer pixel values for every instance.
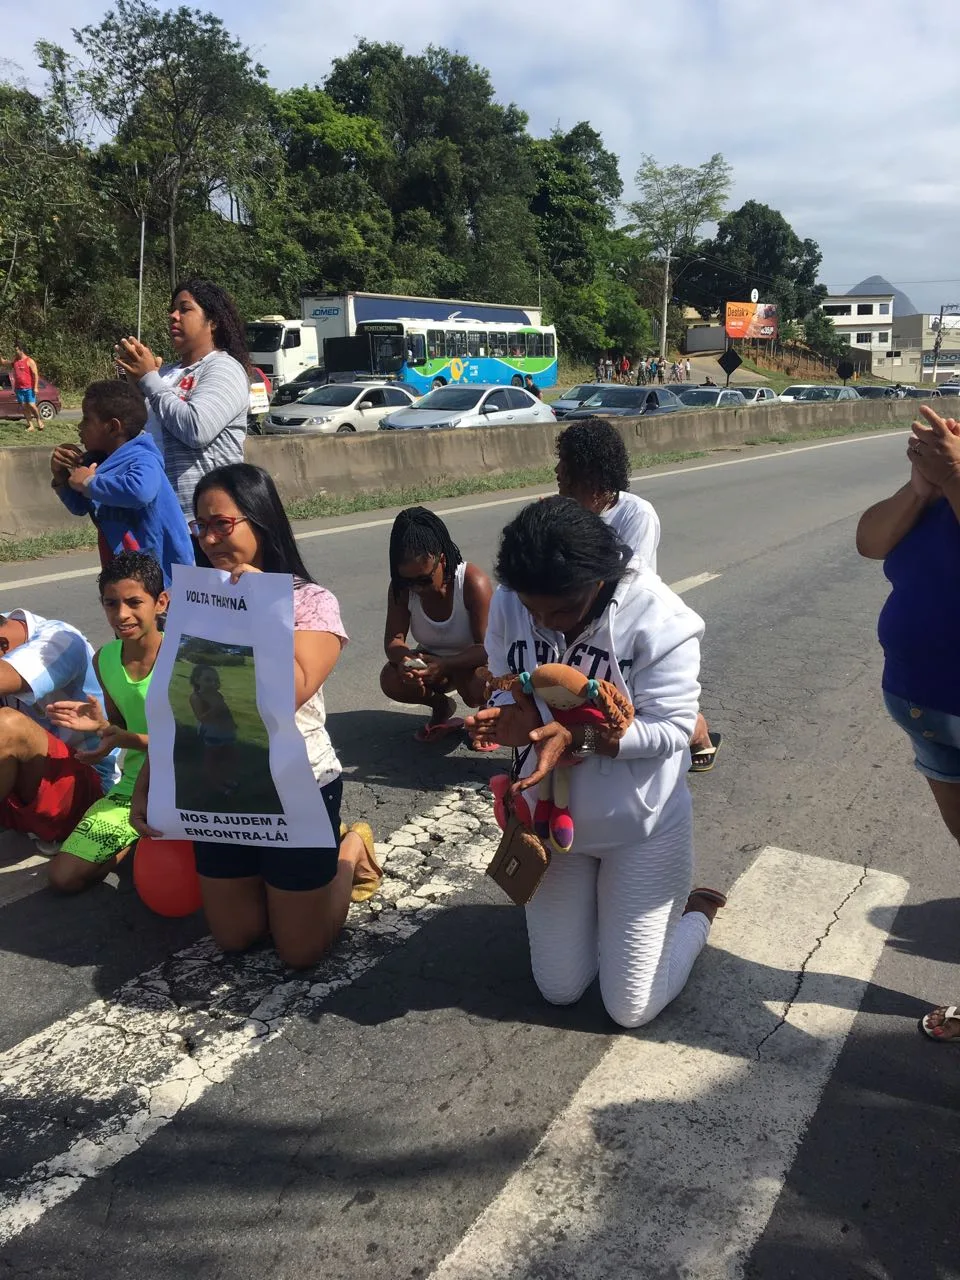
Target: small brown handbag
(519, 863)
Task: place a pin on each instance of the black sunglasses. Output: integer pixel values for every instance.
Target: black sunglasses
(421, 579)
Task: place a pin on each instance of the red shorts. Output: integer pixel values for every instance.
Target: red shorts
(66, 791)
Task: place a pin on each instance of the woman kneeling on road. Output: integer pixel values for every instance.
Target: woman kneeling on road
(620, 903)
(441, 602)
(300, 896)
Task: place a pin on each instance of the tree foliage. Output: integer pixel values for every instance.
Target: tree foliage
(400, 172)
(754, 248)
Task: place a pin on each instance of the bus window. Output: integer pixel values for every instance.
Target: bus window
(517, 344)
(456, 344)
(416, 349)
(476, 344)
(498, 343)
(549, 346)
(535, 345)
(435, 344)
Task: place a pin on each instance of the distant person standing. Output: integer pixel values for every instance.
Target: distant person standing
(661, 370)
(197, 408)
(624, 368)
(686, 370)
(608, 369)
(641, 373)
(26, 384)
(598, 370)
(531, 386)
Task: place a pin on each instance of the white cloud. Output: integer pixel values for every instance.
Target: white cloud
(839, 115)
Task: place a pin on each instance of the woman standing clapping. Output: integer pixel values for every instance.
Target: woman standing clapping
(197, 408)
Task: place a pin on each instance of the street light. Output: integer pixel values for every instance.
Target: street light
(666, 295)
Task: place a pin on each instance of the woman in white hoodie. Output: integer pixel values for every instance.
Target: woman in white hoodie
(620, 903)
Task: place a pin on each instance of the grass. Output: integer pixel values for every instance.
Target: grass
(780, 381)
(56, 431)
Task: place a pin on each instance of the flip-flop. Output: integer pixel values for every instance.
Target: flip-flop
(703, 759)
(428, 732)
(711, 895)
(364, 889)
(949, 1011)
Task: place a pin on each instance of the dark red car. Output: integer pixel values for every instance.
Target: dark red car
(48, 399)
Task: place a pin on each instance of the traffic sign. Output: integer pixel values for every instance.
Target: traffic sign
(729, 362)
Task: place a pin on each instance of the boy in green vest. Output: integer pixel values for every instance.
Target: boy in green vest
(133, 598)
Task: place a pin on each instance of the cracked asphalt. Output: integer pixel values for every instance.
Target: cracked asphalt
(403, 1082)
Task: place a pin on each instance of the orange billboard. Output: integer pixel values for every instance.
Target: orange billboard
(751, 320)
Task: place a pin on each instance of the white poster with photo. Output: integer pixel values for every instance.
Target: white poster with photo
(227, 761)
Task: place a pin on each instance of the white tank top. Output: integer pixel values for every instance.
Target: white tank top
(443, 638)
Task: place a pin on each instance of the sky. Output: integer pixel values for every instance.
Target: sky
(839, 113)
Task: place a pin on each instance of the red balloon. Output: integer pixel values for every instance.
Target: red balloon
(165, 876)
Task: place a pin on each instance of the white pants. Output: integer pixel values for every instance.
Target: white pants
(620, 914)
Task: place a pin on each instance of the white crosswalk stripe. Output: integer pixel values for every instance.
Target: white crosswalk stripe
(676, 1146)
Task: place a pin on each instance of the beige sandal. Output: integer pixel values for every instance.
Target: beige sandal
(364, 889)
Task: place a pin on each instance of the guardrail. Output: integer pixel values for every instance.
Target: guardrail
(306, 466)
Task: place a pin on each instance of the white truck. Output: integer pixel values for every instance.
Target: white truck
(283, 348)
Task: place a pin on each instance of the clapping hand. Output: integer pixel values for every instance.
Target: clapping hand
(934, 451)
(81, 717)
(135, 358)
(110, 740)
(62, 461)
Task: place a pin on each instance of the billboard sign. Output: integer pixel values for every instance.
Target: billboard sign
(751, 320)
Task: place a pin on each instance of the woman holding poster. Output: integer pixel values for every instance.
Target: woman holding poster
(253, 887)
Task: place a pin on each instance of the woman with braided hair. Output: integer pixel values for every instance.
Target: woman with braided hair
(440, 602)
(620, 904)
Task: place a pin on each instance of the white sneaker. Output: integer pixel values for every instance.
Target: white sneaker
(48, 847)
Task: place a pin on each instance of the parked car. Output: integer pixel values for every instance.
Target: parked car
(574, 398)
(825, 394)
(340, 408)
(759, 395)
(924, 393)
(476, 405)
(712, 398)
(791, 393)
(627, 402)
(949, 388)
(306, 380)
(876, 393)
(48, 399)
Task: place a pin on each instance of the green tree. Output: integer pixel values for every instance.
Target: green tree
(755, 247)
(674, 203)
(820, 336)
(180, 96)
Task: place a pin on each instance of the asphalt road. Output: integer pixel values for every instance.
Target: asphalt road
(412, 1108)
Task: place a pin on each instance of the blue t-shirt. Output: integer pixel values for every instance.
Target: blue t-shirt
(919, 625)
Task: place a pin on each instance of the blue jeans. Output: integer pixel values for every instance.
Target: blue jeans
(934, 736)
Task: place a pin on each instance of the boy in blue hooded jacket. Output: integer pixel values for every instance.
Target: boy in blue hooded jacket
(120, 481)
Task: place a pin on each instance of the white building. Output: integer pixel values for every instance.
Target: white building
(862, 319)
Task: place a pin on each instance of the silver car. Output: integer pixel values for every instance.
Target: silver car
(338, 409)
(711, 398)
(572, 399)
(476, 405)
(820, 395)
(759, 395)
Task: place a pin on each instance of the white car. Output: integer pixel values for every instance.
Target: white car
(711, 398)
(759, 395)
(473, 405)
(790, 394)
(339, 408)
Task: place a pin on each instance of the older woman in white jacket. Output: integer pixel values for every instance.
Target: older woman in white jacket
(620, 902)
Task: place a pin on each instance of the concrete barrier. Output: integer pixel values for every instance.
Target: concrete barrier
(347, 465)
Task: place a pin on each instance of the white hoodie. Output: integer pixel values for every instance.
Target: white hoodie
(647, 643)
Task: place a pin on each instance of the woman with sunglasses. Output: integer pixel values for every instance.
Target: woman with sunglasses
(440, 602)
(299, 896)
(620, 904)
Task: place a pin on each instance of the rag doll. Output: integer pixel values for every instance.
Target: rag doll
(574, 699)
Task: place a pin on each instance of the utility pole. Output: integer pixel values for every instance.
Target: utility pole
(666, 303)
